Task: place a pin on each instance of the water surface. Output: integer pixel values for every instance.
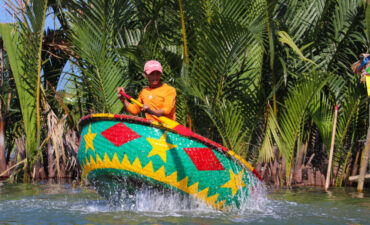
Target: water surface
(44, 203)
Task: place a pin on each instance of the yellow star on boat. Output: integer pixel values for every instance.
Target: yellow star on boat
(160, 147)
(89, 137)
(235, 182)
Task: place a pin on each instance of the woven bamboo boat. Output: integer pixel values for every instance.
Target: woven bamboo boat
(126, 151)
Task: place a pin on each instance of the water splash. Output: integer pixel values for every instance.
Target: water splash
(152, 199)
(148, 198)
(255, 200)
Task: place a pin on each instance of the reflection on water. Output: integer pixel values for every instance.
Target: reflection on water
(44, 203)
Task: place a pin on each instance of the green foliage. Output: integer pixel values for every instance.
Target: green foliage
(24, 51)
(326, 36)
(288, 131)
(94, 27)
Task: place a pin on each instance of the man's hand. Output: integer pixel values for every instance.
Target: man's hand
(119, 92)
(121, 97)
(145, 108)
(155, 112)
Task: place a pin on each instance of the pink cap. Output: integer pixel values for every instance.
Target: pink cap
(151, 66)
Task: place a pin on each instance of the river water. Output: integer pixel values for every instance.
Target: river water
(59, 203)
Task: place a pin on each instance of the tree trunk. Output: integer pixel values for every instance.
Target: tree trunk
(318, 178)
(365, 156)
(309, 177)
(2, 131)
(51, 161)
(282, 171)
(355, 165)
(2, 145)
(38, 171)
(63, 172)
(327, 182)
(298, 166)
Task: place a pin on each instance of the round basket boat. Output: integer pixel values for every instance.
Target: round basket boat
(126, 151)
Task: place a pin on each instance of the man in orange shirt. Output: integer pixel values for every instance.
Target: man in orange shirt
(158, 99)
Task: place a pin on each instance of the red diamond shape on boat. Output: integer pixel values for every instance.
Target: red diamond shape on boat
(204, 158)
(119, 134)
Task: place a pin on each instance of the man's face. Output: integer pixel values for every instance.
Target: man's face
(153, 78)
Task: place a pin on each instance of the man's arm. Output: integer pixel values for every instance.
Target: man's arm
(131, 108)
(156, 112)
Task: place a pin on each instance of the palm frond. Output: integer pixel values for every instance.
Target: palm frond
(93, 35)
(25, 58)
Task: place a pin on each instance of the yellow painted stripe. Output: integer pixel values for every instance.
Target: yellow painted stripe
(167, 122)
(136, 102)
(103, 115)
